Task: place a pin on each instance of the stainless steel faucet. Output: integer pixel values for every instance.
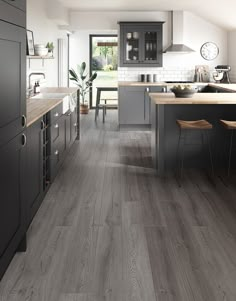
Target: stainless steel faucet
(30, 91)
(36, 73)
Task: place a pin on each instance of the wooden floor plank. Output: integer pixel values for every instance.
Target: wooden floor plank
(110, 229)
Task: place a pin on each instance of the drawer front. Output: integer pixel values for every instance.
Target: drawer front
(57, 129)
(56, 113)
(20, 4)
(58, 145)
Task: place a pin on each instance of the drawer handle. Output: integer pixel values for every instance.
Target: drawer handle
(56, 153)
(23, 121)
(23, 140)
(56, 126)
(56, 114)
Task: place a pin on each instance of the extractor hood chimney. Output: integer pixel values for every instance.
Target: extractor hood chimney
(177, 33)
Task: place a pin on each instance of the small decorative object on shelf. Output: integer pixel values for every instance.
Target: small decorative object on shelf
(30, 43)
(83, 83)
(50, 48)
(183, 91)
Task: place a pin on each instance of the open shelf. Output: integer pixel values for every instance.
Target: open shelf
(37, 57)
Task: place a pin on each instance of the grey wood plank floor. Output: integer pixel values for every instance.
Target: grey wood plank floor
(110, 230)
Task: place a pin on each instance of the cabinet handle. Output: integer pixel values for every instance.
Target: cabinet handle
(56, 126)
(23, 121)
(42, 125)
(75, 124)
(56, 114)
(56, 153)
(147, 90)
(23, 140)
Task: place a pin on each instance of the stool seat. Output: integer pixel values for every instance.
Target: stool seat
(194, 125)
(229, 125)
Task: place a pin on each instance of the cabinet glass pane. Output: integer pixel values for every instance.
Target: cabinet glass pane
(132, 46)
(150, 46)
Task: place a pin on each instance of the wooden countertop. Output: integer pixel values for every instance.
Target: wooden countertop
(198, 98)
(227, 87)
(141, 84)
(36, 107)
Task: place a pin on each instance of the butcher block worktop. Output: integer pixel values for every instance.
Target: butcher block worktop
(155, 84)
(198, 98)
(37, 107)
(227, 87)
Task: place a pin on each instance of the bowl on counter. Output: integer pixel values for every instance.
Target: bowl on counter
(184, 91)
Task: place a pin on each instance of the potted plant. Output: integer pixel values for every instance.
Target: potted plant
(84, 83)
(50, 48)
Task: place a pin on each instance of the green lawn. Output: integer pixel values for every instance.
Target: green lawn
(105, 78)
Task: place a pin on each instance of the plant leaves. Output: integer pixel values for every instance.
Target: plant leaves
(73, 74)
(83, 77)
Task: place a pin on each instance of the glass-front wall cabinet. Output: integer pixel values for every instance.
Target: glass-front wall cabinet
(141, 44)
(132, 45)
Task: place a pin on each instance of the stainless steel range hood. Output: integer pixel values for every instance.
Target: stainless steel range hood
(177, 32)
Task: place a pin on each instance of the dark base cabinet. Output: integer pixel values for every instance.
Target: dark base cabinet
(12, 205)
(34, 170)
(135, 104)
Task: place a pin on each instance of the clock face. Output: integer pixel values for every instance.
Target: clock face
(209, 51)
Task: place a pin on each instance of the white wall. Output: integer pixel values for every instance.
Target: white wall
(232, 54)
(196, 32)
(45, 30)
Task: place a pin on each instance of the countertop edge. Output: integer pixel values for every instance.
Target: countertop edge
(207, 98)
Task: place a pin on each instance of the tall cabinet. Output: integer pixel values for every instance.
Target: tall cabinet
(12, 129)
(140, 44)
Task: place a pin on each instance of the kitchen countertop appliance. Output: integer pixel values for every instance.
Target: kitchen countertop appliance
(221, 75)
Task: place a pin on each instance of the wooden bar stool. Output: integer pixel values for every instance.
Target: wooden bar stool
(185, 126)
(230, 126)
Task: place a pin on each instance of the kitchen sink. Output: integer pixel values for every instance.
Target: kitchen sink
(50, 96)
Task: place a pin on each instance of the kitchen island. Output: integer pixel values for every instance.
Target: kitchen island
(166, 109)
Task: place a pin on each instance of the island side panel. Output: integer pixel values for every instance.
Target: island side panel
(195, 156)
(158, 137)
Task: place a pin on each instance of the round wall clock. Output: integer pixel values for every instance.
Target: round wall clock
(209, 51)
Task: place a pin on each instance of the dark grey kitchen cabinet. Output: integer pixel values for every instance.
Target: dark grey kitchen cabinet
(12, 14)
(134, 104)
(12, 81)
(20, 4)
(73, 125)
(12, 205)
(140, 44)
(12, 132)
(58, 144)
(34, 168)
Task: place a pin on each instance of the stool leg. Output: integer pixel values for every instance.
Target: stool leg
(177, 153)
(104, 112)
(230, 151)
(210, 153)
(182, 157)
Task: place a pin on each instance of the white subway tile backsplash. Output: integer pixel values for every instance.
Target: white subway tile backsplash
(164, 73)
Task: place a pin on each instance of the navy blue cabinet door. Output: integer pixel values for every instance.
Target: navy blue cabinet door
(12, 205)
(12, 81)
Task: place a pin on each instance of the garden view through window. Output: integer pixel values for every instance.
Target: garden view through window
(103, 60)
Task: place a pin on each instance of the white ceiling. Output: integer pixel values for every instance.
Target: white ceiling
(218, 12)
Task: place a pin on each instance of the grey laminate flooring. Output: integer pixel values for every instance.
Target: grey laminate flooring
(110, 229)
